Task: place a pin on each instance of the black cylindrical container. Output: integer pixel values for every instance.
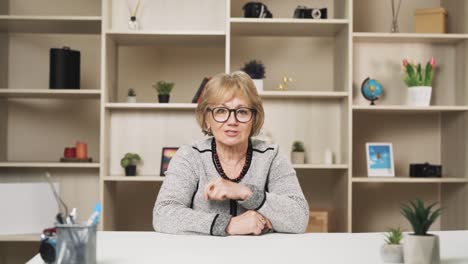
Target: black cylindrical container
(64, 69)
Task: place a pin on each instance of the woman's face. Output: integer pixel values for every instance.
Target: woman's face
(232, 132)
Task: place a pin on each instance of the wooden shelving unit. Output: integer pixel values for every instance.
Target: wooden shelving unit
(328, 60)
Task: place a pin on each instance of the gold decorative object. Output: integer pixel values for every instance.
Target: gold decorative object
(283, 86)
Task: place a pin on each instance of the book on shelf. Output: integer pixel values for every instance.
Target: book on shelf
(197, 96)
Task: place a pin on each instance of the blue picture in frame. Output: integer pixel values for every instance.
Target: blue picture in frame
(380, 159)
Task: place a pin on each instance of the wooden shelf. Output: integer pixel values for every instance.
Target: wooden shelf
(21, 238)
(133, 178)
(168, 38)
(77, 165)
(408, 180)
(303, 94)
(320, 166)
(409, 37)
(51, 93)
(286, 27)
(50, 24)
(409, 109)
(168, 106)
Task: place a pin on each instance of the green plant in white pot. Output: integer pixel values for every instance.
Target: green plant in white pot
(392, 250)
(256, 70)
(298, 153)
(421, 247)
(419, 82)
(131, 96)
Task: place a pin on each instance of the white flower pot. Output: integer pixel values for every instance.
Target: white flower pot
(421, 249)
(131, 99)
(391, 253)
(297, 157)
(258, 84)
(419, 95)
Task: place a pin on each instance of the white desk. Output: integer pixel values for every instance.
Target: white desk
(151, 247)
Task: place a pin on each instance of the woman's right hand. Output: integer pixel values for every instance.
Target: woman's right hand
(250, 222)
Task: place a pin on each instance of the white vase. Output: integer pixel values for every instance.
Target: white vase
(421, 249)
(297, 157)
(419, 95)
(328, 159)
(391, 253)
(258, 84)
(131, 99)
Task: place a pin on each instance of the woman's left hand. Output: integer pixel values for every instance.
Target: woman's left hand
(220, 189)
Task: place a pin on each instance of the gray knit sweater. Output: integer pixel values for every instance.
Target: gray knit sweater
(276, 193)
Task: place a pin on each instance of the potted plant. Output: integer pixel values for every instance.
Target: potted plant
(421, 247)
(392, 250)
(131, 96)
(298, 154)
(256, 70)
(129, 163)
(164, 89)
(419, 82)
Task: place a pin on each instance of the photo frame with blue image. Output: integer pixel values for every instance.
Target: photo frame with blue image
(380, 160)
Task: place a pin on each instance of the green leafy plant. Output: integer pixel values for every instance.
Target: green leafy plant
(415, 75)
(420, 217)
(394, 236)
(130, 159)
(255, 69)
(131, 92)
(163, 87)
(298, 146)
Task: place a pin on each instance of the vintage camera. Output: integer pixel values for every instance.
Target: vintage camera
(256, 10)
(424, 170)
(314, 13)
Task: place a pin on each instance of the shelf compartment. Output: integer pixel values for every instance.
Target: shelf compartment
(50, 24)
(407, 180)
(155, 106)
(408, 38)
(51, 93)
(408, 109)
(286, 27)
(168, 38)
(303, 94)
(134, 178)
(75, 165)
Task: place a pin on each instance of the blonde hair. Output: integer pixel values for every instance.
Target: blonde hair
(221, 88)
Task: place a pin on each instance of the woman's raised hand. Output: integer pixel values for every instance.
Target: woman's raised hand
(250, 222)
(220, 189)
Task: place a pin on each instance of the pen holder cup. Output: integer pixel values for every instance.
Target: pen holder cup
(76, 244)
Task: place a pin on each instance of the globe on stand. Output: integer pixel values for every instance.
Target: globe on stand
(371, 90)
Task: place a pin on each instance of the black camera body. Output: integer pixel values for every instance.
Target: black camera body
(314, 13)
(256, 10)
(425, 170)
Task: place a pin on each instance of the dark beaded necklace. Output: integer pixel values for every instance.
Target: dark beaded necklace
(219, 168)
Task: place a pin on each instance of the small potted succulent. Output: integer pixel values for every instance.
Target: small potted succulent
(129, 163)
(164, 90)
(421, 247)
(419, 82)
(392, 250)
(298, 153)
(131, 96)
(256, 70)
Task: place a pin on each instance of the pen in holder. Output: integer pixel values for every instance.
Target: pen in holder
(76, 243)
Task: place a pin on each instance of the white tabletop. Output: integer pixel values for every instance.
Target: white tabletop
(363, 248)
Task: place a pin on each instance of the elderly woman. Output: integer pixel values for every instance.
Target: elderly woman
(229, 183)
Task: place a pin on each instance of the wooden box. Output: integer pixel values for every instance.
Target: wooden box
(430, 20)
(319, 221)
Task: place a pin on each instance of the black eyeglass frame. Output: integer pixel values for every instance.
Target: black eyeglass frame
(254, 111)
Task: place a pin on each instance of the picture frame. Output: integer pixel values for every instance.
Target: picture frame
(380, 161)
(166, 156)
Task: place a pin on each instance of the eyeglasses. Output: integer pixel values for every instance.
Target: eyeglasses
(222, 114)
